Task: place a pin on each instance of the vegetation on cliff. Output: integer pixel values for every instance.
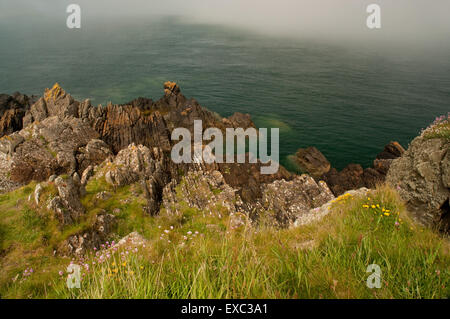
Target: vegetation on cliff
(198, 255)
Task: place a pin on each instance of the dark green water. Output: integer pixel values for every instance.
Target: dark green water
(348, 101)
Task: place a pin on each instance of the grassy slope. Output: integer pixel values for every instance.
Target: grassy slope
(324, 260)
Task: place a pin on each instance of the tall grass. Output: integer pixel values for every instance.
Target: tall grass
(326, 260)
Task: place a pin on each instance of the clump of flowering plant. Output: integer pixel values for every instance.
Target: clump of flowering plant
(440, 128)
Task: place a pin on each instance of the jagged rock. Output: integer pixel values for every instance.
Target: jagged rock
(94, 153)
(316, 214)
(354, 176)
(85, 241)
(87, 174)
(67, 205)
(120, 126)
(206, 191)
(312, 161)
(134, 164)
(239, 120)
(421, 177)
(8, 143)
(284, 201)
(392, 150)
(12, 111)
(351, 177)
(49, 148)
(247, 178)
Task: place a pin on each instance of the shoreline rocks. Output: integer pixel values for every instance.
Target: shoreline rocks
(353, 176)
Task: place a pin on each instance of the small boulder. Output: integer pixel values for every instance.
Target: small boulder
(312, 161)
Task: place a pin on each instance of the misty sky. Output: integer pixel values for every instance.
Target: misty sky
(409, 20)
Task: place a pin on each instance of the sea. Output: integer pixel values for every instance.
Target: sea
(346, 99)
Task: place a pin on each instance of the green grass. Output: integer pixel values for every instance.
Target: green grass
(325, 260)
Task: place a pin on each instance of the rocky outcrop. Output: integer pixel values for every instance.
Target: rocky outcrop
(12, 111)
(247, 178)
(67, 205)
(94, 153)
(311, 160)
(353, 176)
(286, 201)
(422, 178)
(206, 191)
(150, 167)
(55, 146)
(90, 238)
(316, 214)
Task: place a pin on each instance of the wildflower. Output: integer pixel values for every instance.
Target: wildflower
(60, 273)
(166, 231)
(365, 206)
(142, 267)
(124, 263)
(386, 214)
(189, 233)
(373, 206)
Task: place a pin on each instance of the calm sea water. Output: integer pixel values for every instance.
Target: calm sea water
(348, 101)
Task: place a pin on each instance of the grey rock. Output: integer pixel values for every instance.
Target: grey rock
(421, 177)
(37, 193)
(285, 201)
